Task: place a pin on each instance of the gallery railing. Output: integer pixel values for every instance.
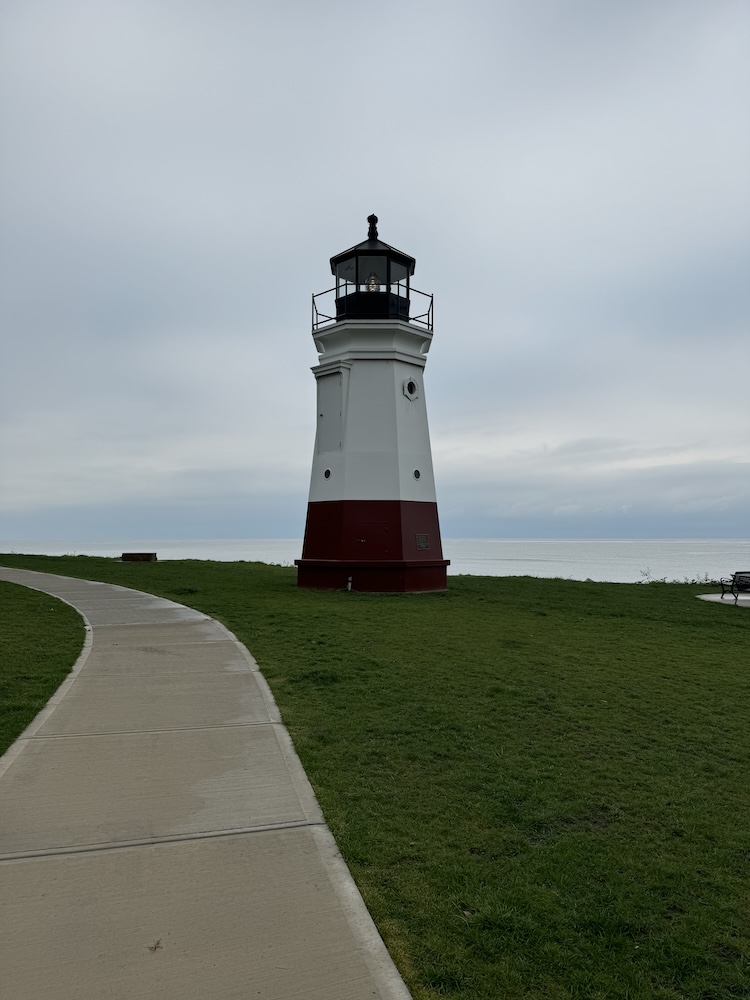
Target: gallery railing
(348, 301)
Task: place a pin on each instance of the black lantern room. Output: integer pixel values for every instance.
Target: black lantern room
(372, 279)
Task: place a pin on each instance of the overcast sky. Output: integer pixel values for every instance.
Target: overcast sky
(572, 176)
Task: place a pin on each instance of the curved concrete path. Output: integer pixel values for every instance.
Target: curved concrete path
(158, 836)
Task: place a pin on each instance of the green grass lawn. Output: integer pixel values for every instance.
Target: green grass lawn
(30, 669)
(540, 786)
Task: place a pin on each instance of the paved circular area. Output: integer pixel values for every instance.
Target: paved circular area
(742, 602)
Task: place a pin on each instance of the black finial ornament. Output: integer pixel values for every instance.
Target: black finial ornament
(372, 233)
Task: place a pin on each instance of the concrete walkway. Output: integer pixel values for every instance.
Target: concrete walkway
(158, 836)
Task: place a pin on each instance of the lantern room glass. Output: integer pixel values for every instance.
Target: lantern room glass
(372, 273)
(372, 280)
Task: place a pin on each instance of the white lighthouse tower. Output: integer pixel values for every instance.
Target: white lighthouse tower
(372, 519)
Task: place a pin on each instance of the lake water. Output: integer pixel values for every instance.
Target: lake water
(613, 560)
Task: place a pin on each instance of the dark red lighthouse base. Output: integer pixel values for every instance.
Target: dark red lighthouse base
(385, 546)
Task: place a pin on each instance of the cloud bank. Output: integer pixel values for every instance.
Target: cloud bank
(572, 180)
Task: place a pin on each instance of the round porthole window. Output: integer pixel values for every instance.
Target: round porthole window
(417, 473)
(411, 388)
(327, 473)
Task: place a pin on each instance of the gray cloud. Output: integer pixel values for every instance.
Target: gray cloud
(570, 177)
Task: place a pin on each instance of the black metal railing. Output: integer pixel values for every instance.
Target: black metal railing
(350, 302)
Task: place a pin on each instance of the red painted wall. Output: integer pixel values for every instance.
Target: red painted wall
(372, 545)
(372, 529)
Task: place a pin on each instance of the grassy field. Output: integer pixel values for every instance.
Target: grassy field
(540, 786)
(30, 670)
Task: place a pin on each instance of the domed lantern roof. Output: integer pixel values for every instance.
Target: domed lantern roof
(372, 279)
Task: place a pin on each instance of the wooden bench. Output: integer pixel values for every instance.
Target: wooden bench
(139, 557)
(735, 583)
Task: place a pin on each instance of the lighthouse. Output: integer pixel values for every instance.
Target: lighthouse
(372, 518)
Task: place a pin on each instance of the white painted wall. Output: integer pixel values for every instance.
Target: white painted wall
(371, 433)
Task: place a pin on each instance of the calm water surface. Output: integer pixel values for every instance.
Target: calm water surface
(613, 560)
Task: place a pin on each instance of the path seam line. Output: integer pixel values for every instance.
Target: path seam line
(174, 838)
